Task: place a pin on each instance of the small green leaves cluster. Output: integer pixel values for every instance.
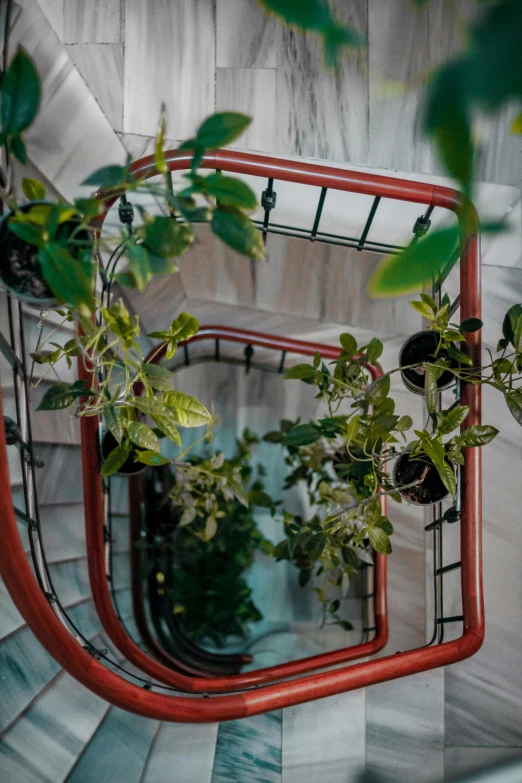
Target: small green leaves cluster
(112, 348)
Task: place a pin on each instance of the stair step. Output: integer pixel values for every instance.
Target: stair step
(249, 750)
(183, 753)
(118, 751)
(63, 531)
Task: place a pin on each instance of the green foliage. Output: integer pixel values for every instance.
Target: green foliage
(33, 189)
(19, 101)
(235, 229)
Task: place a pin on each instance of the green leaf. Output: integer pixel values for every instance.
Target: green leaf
(153, 458)
(67, 277)
(189, 411)
(112, 420)
(471, 325)
(143, 436)
(108, 177)
(424, 309)
(165, 425)
(315, 546)
(373, 350)
(238, 232)
(156, 371)
(166, 238)
(516, 125)
(379, 389)
(20, 97)
(302, 435)
(509, 324)
(459, 356)
(379, 541)
(17, 147)
(211, 528)
(138, 259)
(451, 420)
(514, 403)
(299, 371)
(447, 474)
(348, 343)
(404, 423)
(218, 130)
(150, 406)
(159, 144)
(230, 191)
(89, 207)
(417, 265)
(182, 328)
(431, 390)
(33, 189)
(476, 435)
(115, 460)
(58, 396)
(384, 524)
(27, 232)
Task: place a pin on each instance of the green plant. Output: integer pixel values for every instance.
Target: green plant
(211, 542)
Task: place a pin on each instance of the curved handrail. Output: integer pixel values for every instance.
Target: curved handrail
(96, 548)
(38, 614)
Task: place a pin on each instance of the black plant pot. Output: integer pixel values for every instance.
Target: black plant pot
(420, 349)
(431, 490)
(130, 467)
(20, 271)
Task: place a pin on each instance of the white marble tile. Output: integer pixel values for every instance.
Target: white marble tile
(249, 750)
(405, 728)
(323, 114)
(325, 740)
(467, 761)
(101, 65)
(54, 11)
(189, 750)
(71, 136)
(59, 481)
(170, 58)
(246, 35)
(63, 531)
(500, 152)
(398, 55)
(141, 146)
(92, 21)
(251, 91)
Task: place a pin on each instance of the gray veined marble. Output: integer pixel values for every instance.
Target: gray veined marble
(182, 752)
(323, 114)
(169, 58)
(251, 91)
(246, 35)
(101, 65)
(92, 21)
(249, 750)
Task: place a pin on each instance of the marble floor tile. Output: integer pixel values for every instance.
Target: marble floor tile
(187, 749)
(405, 728)
(325, 740)
(323, 114)
(60, 480)
(92, 21)
(71, 580)
(83, 140)
(169, 58)
(63, 531)
(398, 57)
(465, 761)
(101, 65)
(245, 35)
(141, 146)
(249, 750)
(10, 617)
(121, 570)
(44, 744)
(500, 157)
(251, 91)
(118, 750)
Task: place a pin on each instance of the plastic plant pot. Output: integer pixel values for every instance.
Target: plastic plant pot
(130, 467)
(20, 271)
(406, 471)
(420, 349)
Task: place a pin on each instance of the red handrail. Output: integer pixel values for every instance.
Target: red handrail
(36, 611)
(96, 548)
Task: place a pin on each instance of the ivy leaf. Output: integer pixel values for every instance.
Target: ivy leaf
(238, 232)
(112, 420)
(299, 371)
(189, 411)
(379, 541)
(230, 191)
(218, 130)
(348, 343)
(303, 435)
(406, 272)
(20, 96)
(108, 177)
(153, 458)
(166, 238)
(115, 460)
(58, 396)
(67, 277)
(143, 436)
(33, 189)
